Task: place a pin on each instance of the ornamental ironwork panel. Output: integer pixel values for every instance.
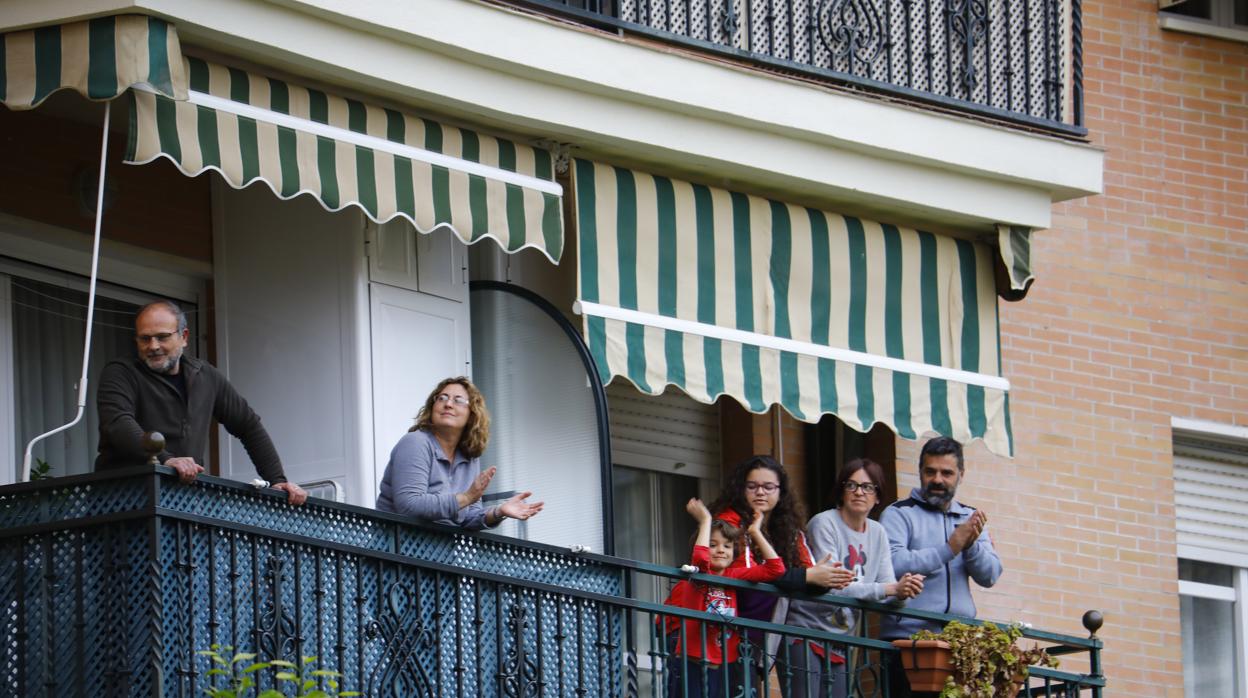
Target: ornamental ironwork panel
(1003, 57)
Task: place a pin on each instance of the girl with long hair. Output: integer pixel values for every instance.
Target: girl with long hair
(760, 484)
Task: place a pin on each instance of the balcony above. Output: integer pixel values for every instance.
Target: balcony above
(631, 95)
(1018, 62)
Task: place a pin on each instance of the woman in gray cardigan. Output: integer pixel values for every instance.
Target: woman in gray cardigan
(861, 545)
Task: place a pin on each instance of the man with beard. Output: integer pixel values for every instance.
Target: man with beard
(933, 535)
(179, 396)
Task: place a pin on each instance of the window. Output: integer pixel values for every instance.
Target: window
(1227, 19)
(1209, 595)
(41, 329)
(1211, 520)
(664, 449)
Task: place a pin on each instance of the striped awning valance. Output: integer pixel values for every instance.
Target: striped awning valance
(1014, 241)
(719, 292)
(346, 152)
(99, 58)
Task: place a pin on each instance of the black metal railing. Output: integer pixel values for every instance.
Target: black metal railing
(111, 584)
(1007, 59)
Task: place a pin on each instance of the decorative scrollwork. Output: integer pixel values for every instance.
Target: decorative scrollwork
(518, 673)
(852, 30)
(968, 25)
(275, 633)
(399, 672)
(729, 22)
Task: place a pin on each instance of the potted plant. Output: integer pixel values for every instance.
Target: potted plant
(970, 661)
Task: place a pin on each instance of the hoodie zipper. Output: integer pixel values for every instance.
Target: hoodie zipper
(944, 516)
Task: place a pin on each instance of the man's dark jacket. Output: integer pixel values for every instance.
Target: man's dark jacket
(133, 399)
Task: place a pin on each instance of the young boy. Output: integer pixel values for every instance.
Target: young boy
(714, 548)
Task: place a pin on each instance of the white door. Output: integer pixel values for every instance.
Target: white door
(418, 338)
(286, 307)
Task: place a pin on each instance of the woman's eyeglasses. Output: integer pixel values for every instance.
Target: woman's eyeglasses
(767, 487)
(863, 487)
(457, 400)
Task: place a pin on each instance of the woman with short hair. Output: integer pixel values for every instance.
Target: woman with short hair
(434, 473)
(861, 545)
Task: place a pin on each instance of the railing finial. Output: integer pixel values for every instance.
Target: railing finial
(1093, 620)
(153, 444)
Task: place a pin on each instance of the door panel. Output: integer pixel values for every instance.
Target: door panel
(417, 340)
(286, 295)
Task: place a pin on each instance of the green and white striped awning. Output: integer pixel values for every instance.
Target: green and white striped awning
(1014, 241)
(718, 292)
(98, 58)
(346, 152)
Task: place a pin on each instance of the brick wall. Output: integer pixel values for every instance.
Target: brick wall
(1139, 313)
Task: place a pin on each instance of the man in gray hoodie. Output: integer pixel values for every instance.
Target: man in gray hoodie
(933, 535)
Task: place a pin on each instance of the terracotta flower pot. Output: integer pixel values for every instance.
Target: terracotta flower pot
(927, 662)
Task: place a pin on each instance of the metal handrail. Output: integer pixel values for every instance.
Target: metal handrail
(175, 512)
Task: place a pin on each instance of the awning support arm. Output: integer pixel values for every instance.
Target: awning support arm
(95, 265)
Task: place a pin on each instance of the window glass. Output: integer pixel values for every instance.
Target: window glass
(1198, 9)
(1206, 573)
(1209, 652)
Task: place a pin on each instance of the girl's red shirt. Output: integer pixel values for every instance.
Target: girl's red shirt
(713, 599)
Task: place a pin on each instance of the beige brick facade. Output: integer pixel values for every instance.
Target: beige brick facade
(1139, 314)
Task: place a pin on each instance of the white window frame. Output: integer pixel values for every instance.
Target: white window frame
(1238, 592)
(1221, 25)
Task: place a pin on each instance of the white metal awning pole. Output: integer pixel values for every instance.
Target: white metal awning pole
(95, 266)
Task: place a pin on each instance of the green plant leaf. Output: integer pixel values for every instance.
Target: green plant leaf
(271, 693)
(309, 660)
(282, 662)
(323, 672)
(242, 657)
(256, 667)
(287, 676)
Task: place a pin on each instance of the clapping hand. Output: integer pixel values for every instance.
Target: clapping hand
(967, 533)
(477, 488)
(909, 586)
(829, 574)
(517, 508)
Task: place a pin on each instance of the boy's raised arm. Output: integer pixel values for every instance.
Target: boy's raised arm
(702, 515)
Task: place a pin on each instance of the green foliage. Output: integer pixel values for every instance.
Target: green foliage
(41, 470)
(239, 676)
(986, 660)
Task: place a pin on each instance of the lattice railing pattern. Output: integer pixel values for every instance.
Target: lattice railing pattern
(120, 607)
(1006, 55)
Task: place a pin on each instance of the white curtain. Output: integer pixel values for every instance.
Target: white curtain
(544, 435)
(1209, 652)
(48, 323)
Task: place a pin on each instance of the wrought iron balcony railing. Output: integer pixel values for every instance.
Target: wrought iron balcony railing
(1019, 61)
(110, 583)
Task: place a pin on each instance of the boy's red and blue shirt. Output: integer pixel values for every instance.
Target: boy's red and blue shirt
(714, 599)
